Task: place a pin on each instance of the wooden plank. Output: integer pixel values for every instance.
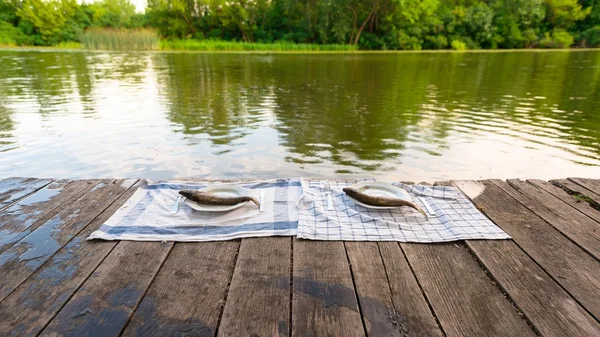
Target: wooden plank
(463, 298)
(189, 292)
(583, 206)
(258, 302)
(25, 257)
(35, 302)
(584, 231)
(572, 186)
(547, 306)
(409, 301)
(20, 219)
(13, 189)
(570, 266)
(385, 315)
(591, 184)
(324, 299)
(104, 303)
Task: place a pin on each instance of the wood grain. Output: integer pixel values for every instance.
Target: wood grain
(104, 303)
(30, 253)
(258, 302)
(24, 216)
(324, 299)
(13, 189)
(189, 292)
(567, 198)
(463, 298)
(415, 316)
(572, 223)
(384, 314)
(555, 314)
(570, 266)
(591, 184)
(575, 187)
(35, 302)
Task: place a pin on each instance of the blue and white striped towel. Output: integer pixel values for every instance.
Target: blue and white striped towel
(146, 215)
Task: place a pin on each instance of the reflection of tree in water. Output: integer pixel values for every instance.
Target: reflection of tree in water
(49, 78)
(532, 96)
(56, 78)
(6, 126)
(124, 67)
(352, 111)
(360, 111)
(221, 96)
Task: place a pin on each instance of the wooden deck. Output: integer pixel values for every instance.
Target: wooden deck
(543, 282)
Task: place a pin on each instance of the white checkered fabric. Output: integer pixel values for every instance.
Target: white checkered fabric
(456, 218)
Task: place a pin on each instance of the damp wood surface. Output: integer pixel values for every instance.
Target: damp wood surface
(541, 282)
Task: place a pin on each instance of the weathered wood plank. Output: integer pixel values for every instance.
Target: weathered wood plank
(561, 194)
(555, 314)
(258, 302)
(188, 294)
(20, 219)
(105, 302)
(324, 299)
(26, 256)
(373, 290)
(572, 186)
(463, 298)
(37, 300)
(384, 314)
(415, 316)
(572, 223)
(570, 266)
(591, 184)
(13, 189)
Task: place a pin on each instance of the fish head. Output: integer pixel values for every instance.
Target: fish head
(186, 193)
(350, 190)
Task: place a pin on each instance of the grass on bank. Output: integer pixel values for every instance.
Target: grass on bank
(147, 39)
(218, 45)
(120, 39)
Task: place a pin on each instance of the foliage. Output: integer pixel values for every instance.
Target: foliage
(362, 24)
(560, 38)
(591, 37)
(458, 45)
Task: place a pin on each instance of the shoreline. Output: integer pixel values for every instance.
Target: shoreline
(424, 51)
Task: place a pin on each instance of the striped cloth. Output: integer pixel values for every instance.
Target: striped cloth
(456, 218)
(297, 207)
(146, 216)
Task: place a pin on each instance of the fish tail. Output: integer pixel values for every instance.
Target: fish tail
(421, 211)
(413, 205)
(255, 201)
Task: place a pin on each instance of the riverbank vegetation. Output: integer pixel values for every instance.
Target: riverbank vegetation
(303, 25)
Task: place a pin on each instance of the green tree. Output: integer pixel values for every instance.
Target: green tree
(49, 17)
(112, 13)
(564, 13)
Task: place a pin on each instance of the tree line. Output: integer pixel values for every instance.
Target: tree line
(368, 24)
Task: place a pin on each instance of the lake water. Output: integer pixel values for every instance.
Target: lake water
(392, 116)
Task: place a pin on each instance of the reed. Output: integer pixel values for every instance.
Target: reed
(219, 45)
(120, 39)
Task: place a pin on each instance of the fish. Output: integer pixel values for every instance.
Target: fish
(207, 198)
(380, 201)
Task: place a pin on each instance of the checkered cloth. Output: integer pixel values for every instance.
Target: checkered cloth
(147, 216)
(456, 218)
